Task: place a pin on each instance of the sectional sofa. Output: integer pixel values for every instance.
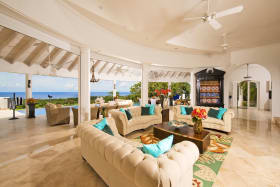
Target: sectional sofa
(120, 162)
(211, 123)
(137, 122)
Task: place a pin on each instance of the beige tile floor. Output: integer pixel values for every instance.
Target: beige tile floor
(34, 154)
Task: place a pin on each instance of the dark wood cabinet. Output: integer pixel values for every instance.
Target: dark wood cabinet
(210, 88)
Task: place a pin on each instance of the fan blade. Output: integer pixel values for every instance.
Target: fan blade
(227, 12)
(191, 19)
(215, 24)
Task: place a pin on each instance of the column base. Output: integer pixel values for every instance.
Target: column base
(276, 120)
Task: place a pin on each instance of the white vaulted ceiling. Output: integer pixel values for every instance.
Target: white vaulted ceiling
(159, 23)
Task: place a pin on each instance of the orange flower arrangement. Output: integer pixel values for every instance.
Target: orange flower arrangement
(198, 114)
(31, 101)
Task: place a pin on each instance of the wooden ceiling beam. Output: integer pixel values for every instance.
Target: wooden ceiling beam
(6, 37)
(53, 55)
(103, 67)
(96, 63)
(36, 53)
(74, 63)
(63, 60)
(111, 68)
(25, 43)
(166, 74)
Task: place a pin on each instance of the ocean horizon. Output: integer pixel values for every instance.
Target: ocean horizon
(57, 95)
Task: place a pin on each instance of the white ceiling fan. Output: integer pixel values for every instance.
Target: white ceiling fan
(211, 16)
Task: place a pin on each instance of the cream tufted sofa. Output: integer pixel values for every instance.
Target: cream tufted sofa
(120, 163)
(211, 123)
(137, 122)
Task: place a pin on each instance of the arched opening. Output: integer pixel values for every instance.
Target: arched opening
(250, 87)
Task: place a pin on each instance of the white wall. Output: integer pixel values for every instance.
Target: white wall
(259, 74)
(269, 57)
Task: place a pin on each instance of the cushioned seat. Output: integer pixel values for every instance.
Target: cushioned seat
(224, 124)
(121, 164)
(137, 122)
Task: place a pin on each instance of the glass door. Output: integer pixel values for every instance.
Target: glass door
(253, 95)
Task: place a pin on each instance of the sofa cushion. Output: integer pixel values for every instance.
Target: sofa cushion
(152, 108)
(213, 120)
(142, 119)
(157, 149)
(103, 125)
(221, 112)
(145, 111)
(183, 110)
(213, 113)
(189, 110)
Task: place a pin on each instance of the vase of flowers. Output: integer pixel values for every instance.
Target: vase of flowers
(162, 94)
(198, 114)
(31, 102)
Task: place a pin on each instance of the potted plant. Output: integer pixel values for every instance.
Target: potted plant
(31, 102)
(198, 114)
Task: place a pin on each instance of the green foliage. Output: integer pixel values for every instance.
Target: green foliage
(135, 92)
(180, 88)
(156, 86)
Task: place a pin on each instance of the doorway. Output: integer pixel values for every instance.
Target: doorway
(248, 94)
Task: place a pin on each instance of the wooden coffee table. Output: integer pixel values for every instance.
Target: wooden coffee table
(164, 130)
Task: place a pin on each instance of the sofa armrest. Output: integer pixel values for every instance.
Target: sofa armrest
(120, 120)
(228, 115)
(169, 169)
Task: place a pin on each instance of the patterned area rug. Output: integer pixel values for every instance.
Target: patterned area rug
(206, 168)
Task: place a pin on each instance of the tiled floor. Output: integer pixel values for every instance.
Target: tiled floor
(34, 154)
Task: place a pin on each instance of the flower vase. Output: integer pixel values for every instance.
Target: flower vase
(198, 127)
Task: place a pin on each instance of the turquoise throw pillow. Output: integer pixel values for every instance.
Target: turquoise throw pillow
(161, 147)
(189, 110)
(103, 126)
(183, 110)
(152, 109)
(122, 110)
(221, 113)
(213, 113)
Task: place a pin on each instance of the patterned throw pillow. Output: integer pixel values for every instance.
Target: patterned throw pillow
(160, 148)
(103, 126)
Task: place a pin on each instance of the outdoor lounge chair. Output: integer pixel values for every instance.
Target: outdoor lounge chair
(57, 115)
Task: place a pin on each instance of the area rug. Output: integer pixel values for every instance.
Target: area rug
(206, 168)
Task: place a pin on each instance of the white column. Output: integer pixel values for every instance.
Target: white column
(248, 94)
(115, 89)
(169, 87)
(193, 87)
(84, 85)
(144, 84)
(28, 91)
(234, 94)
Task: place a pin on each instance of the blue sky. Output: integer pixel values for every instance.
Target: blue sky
(12, 82)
